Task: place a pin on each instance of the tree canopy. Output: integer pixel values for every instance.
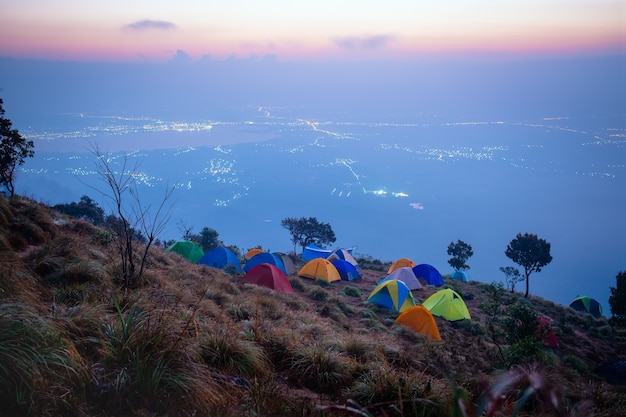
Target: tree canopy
(308, 231)
(617, 300)
(208, 239)
(530, 252)
(512, 276)
(460, 252)
(86, 209)
(14, 149)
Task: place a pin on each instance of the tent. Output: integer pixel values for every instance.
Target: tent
(252, 252)
(347, 271)
(222, 258)
(545, 333)
(187, 250)
(392, 294)
(264, 258)
(269, 276)
(429, 274)
(460, 276)
(320, 268)
(400, 263)
(313, 252)
(406, 275)
(420, 320)
(587, 305)
(447, 304)
(344, 255)
(290, 267)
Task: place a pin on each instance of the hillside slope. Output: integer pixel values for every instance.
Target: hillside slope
(193, 340)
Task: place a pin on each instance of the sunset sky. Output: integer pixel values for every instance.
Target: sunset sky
(339, 29)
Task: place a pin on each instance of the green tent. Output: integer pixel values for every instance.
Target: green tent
(187, 250)
(447, 304)
(587, 305)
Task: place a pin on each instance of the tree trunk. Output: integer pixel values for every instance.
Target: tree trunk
(527, 276)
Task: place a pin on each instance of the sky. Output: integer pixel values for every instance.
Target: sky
(157, 30)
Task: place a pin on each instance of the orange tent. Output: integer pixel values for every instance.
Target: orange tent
(419, 319)
(320, 268)
(252, 252)
(400, 263)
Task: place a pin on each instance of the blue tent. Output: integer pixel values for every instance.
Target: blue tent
(313, 252)
(460, 276)
(222, 258)
(429, 274)
(392, 294)
(265, 258)
(347, 271)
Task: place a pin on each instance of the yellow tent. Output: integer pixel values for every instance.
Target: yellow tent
(419, 319)
(400, 263)
(320, 268)
(447, 304)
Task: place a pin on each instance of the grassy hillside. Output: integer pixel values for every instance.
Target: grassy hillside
(194, 341)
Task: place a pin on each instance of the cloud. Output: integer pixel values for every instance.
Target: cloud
(417, 206)
(369, 42)
(181, 57)
(150, 25)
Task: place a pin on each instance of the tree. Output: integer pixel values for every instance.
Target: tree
(460, 252)
(529, 251)
(617, 300)
(132, 222)
(207, 239)
(14, 149)
(308, 231)
(512, 276)
(86, 209)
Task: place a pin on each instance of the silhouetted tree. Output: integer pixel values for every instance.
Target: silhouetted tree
(14, 148)
(132, 221)
(207, 239)
(529, 251)
(512, 276)
(460, 252)
(308, 231)
(617, 300)
(86, 208)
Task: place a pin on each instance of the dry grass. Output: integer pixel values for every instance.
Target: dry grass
(193, 340)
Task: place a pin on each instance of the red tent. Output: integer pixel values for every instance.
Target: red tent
(268, 275)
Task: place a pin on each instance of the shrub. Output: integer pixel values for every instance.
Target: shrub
(39, 367)
(296, 284)
(318, 294)
(397, 392)
(230, 352)
(352, 291)
(322, 283)
(320, 368)
(149, 363)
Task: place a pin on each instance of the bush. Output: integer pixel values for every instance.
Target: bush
(320, 368)
(351, 291)
(318, 294)
(397, 392)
